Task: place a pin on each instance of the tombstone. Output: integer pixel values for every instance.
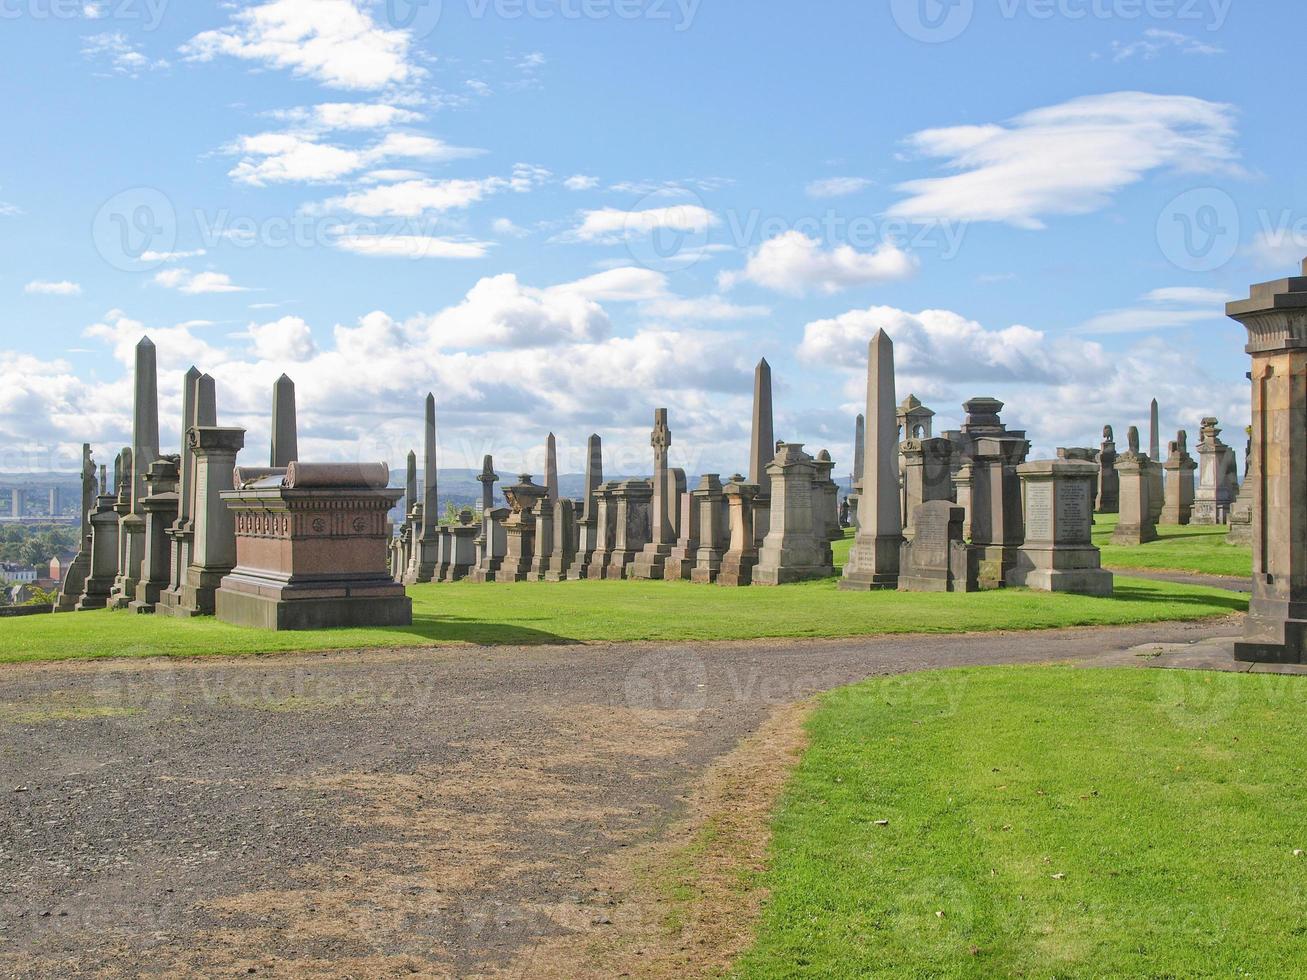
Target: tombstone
(797, 546)
(491, 544)
(1135, 525)
(926, 473)
(73, 583)
(588, 523)
(762, 446)
(543, 512)
(311, 550)
(122, 506)
(1241, 511)
(520, 530)
(485, 535)
(680, 563)
(1157, 481)
(145, 450)
(665, 506)
(828, 496)
(1180, 467)
(963, 479)
(1109, 484)
(104, 549)
(994, 515)
(1059, 554)
(1218, 480)
(714, 527)
(596, 565)
(285, 429)
(460, 542)
(631, 523)
(1083, 455)
(565, 541)
(1276, 628)
(937, 559)
(859, 456)
(160, 514)
(199, 408)
(423, 567)
(874, 558)
(742, 553)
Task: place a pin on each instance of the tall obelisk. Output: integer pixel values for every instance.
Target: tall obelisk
(285, 436)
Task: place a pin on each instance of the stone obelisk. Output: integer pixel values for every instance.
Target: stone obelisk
(423, 569)
(285, 437)
(859, 458)
(1154, 435)
(874, 559)
(762, 448)
(145, 450)
(551, 468)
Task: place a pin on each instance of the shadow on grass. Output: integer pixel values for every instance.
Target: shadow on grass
(1231, 601)
(462, 629)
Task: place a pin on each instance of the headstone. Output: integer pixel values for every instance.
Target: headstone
(1276, 628)
(544, 541)
(680, 563)
(1109, 484)
(828, 496)
(74, 578)
(285, 430)
(520, 530)
(596, 567)
(487, 558)
(160, 514)
(1135, 525)
(1180, 467)
(461, 541)
(588, 523)
(1218, 479)
(874, 558)
(714, 528)
(551, 468)
(926, 472)
(664, 507)
(994, 516)
(311, 549)
(859, 457)
(1082, 454)
(1059, 554)
(797, 546)
(937, 559)
(104, 549)
(742, 554)
(564, 534)
(631, 522)
(199, 408)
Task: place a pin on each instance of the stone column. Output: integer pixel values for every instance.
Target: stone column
(544, 542)
(594, 564)
(423, 568)
(859, 456)
(740, 559)
(714, 527)
(199, 407)
(1135, 525)
(680, 563)
(160, 515)
(796, 546)
(997, 524)
(926, 475)
(1180, 467)
(1059, 553)
(1275, 316)
(214, 548)
(874, 559)
(1109, 484)
(631, 522)
(104, 552)
(662, 537)
(588, 522)
(285, 431)
(74, 579)
(131, 534)
(962, 482)
(762, 446)
(551, 468)
(564, 541)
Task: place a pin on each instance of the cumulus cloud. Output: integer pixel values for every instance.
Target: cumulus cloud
(334, 42)
(287, 339)
(42, 287)
(796, 264)
(612, 224)
(1066, 159)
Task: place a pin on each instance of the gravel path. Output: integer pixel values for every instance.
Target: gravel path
(377, 813)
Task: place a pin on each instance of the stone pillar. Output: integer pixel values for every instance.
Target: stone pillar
(145, 450)
(74, 578)
(1109, 484)
(131, 534)
(632, 525)
(423, 568)
(1275, 316)
(926, 474)
(520, 530)
(595, 564)
(588, 523)
(160, 515)
(680, 563)
(1218, 481)
(1156, 475)
(563, 553)
(714, 528)
(104, 552)
(1180, 467)
(859, 456)
(1059, 553)
(544, 542)
(762, 446)
(874, 559)
(551, 468)
(285, 431)
(1135, 525)
(962, 482)
(491, 545)
(797, 545)
(997, 525)
(742, 556)
(662, 536)
(199, 408)
(828, 492)
(214, 548)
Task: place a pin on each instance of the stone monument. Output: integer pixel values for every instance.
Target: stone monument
(1135, 525)
(1180, 467)
(937, 559)
(1109, 484)
(1059, 554)
(797, 546)
(1218, 479)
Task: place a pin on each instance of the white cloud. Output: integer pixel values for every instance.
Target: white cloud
(285, 157)
(1161, 309)
(1066, 159)
(63, 287)
(1279, 248)
(151, 256)
(506, 226)
(353, 115)
(1216, 298)
(838, 186)
(121, 55)
(580, 182)
(197, 283)
(795, 264)
(1156, 41)
(702, 308)
(287, 339)
(409, 246)
(611, 224)
(412, 198)
(335, 42)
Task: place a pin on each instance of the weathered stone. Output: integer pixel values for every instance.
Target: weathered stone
(564, 541)
(874, 558)
(199, 408)
(490, 542)
(996, 521)
(937, 559)
(605, 502)
(828, 496)
(714, 528)
(1059, 554)
(460, 541)
(285, 428)
(1135, 525)
(520, 530)
(79, 569)
(422, 567)
(104, 550)
(859, 458)
(1180, 467)
(926, 472)
(680, 563)
(915, 420)
(1218, 481)
(1275, 316)
(762, 446)
(631, 523)
(160, 508)
(665, 505)
(797, 546)
(742, 556)
(588, 523)
(1109, 484)
(551, 468)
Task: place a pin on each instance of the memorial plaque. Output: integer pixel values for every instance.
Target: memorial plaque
(1074, 520)
(1039, 511)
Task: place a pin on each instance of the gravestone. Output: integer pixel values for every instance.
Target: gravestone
(520, 530)
(160, 506)
(1059, 554)
(199, 408)
(859, 457)
(423, 566)
(937, 559)
(680, 563)
(1180, 467)
(461, 540)
(588, 523)
(104, 549)
(714, 528)
(631, 524)
(1135, 525)
(742, 555)
(995, 516)
(74, 578)
(565, 541)
(605, 533)
(762, 447)
(797, 545)
(926, 473)
(1218, 480)
(145, 450)
(664, 508)
(1109, 484)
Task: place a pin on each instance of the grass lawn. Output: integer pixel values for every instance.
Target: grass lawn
(1044, 822)
(542, 612)
(1201, 550)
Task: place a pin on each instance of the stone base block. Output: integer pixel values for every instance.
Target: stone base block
(788, 574)
(1074, 570)
(650, 564)
(993, 563)
(737, 570)
(619, 565)
(1241, 533)
(252, 603)
(1129, 534)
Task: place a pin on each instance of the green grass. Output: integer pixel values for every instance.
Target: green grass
(1200, 550)
(1044, 822)
(541, 612)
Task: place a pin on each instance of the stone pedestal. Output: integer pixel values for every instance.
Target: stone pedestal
(491, 545)
(739, 561)
(563, 553)
(544, 542)
(1135, 525)
(1218, 482)
(1109, 484)
(160, 508)
(1059, 554)
(680, 563)
(1275, 316)
(79, 569)
(311, 551)
(462, 550)
(631, 522)
(520, 530)
(926, 475)
(937, 559)
(1180, 467)
(104, 555)
(663, 509)
(714, 528)
(997, 523)
(797, 545)
(594, 565)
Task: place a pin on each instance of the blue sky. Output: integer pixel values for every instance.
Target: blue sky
(561, 214)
